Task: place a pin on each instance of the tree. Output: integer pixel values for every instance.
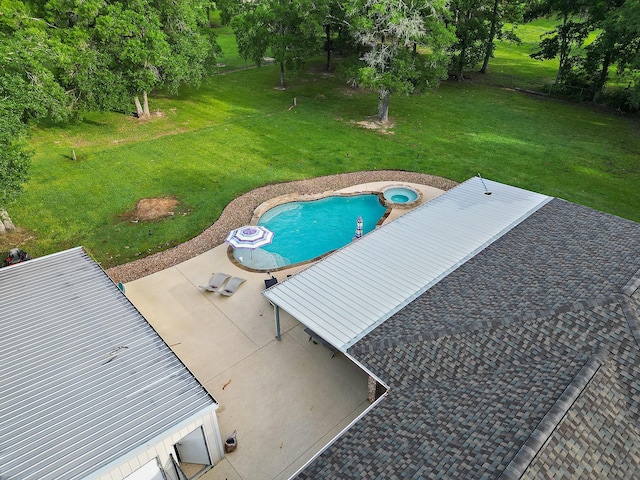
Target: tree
(28, 91)
(288, 29)
(503, 10)
(618, 41)
(117, 51)
(14, 158)
(334, 20)
(388, 30)
(192, 44)
(566, 40)
(471, 20)
(584, 66)
(228, 10)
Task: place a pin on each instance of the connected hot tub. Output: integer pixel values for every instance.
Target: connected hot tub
(401, 196)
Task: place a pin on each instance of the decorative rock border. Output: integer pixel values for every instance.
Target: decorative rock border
(240, 212)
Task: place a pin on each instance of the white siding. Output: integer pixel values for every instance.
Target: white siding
(347, 294)
(161, 448)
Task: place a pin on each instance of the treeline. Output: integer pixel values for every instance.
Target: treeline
(393, 39)
(59, 58)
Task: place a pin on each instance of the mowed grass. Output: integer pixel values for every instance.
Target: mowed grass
(512, 65)
(237, 132)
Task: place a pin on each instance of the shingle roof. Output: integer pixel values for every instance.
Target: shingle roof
(522, 363)
(84, 379)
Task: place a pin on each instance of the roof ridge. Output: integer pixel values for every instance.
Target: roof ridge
(633, 320)
(534, 444)
(632, 285)
(537, 314)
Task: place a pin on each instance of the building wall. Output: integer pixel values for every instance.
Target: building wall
(165, 446)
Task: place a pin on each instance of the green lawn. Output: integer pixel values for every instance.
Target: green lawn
(237, 132)
(512, 66)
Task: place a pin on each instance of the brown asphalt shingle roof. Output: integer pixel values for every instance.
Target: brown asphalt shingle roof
(522, 363)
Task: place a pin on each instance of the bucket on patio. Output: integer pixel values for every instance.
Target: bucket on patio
(230, 443)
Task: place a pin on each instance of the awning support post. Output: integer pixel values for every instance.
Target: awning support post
(277, 310)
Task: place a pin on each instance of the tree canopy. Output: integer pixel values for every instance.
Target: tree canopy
(287, 29)
(60, 57)
(28, 89)
(584, 62)
(390, 32)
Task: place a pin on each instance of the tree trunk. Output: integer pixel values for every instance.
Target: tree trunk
(327, 29)
(142, 109)
(282, 84)
(461, 59)
(139, 111)
(492, 35)
(6, 222)
(602, 78)
(383, 104)
(145, 104)
(564, 51)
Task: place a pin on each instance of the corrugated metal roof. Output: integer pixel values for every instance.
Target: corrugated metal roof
(84, 379)
(347, 294)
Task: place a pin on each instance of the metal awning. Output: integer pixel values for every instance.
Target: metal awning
(349, 293)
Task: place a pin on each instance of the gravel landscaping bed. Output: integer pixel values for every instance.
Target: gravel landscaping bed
(240, 211)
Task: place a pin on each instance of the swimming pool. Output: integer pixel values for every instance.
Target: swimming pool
(304, 230)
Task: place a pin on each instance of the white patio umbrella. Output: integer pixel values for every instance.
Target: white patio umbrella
(249, 236)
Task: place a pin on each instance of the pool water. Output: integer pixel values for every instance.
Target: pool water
(401, 194)
(399, 198)
(306, 230)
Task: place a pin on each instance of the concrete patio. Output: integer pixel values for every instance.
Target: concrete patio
(286, 399)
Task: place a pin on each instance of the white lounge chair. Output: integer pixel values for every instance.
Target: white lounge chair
(216, 282)
(231, 286)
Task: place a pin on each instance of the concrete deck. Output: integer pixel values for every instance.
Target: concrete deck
(286, 399)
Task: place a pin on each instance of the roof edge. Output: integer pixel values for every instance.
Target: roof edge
(534, 444)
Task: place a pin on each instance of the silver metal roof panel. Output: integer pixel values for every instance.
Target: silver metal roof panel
(347, 294)
(84, 379)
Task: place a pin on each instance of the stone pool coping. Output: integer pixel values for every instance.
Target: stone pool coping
(240, 211)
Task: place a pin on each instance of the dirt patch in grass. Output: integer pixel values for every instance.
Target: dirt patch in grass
(15, 239)
(379, 126)
(133, 118)
(150, 209)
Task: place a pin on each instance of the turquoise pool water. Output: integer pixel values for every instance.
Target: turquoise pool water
(401, 194)
(309, 229)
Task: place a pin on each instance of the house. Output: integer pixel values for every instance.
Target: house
(88, 390)
(503, 330)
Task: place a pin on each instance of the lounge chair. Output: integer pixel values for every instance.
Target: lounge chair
(231, 286)
(216, 282)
